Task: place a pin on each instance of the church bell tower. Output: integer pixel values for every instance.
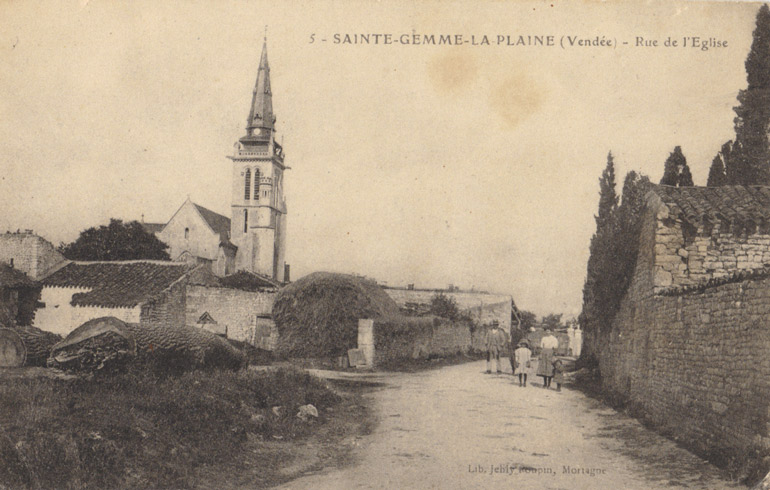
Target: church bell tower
(258, 222)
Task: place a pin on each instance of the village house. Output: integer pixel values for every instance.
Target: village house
(689, 348)
(140, 291)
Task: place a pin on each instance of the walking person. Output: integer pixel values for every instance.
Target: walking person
(522, 357)
(495, 343)
(545, 362)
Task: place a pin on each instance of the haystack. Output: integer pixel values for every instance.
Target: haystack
(317, 316)
(110, 343)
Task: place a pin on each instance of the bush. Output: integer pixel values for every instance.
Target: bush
(140, 430)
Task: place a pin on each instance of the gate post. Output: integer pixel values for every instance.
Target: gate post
(366, 340)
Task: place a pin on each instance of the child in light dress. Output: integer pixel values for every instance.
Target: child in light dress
(522, 357)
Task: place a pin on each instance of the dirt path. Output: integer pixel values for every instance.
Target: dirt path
(456, 427)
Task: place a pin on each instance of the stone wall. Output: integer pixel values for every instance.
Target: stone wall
(697, 364)
(688, 254)
(245, 315)
(425, 339)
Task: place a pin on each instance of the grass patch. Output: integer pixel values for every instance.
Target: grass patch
(142, 429)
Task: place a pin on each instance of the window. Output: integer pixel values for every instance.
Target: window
(256, 183)
(245, 220)
(186, 233)
(247, 186)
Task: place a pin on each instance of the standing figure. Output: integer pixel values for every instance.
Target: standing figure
(545, 362)
(522, 357)
(558, 373)
(517, 335)
(495, 343)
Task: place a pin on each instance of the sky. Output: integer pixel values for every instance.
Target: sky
(469, 164)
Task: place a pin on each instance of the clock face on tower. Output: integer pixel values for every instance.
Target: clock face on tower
(257, 131)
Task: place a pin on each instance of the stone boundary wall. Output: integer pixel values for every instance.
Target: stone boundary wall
(696, 364)
(438, 340)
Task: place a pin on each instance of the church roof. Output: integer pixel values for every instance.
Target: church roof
(248, 281)
(729, 202)
(153, 227)
(220, 224)
(116, 284)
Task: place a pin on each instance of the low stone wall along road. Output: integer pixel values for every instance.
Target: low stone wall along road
(456, 427)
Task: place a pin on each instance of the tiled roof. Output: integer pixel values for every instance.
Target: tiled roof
(220, 224)
(730, 202)
(13, 278)
(248, 281)
(153, 227)
(116, 284)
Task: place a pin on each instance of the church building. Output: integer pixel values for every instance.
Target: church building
(253, 238)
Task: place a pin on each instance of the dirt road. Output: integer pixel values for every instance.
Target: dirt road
(456, 427)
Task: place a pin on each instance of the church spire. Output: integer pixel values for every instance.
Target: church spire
(261, 120)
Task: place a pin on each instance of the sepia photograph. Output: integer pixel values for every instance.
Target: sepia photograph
(367, 244)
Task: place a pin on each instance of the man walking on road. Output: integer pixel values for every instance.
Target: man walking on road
(495, 343)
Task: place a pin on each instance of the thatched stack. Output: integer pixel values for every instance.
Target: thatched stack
(110, 343)
(38, 344)
(317, 316)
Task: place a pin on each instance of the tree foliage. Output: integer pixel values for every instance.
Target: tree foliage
(717, 172)
(444, 306)
(751, 161)
(116, 241)
(613, 252)
(676, 172)
(553, 320)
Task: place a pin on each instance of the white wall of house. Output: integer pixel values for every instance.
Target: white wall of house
(59, 316)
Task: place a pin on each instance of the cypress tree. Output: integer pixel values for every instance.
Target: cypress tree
(717, 175)
(752, 162)
(676, 172)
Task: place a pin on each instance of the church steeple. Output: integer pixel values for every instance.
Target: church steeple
(261, 120)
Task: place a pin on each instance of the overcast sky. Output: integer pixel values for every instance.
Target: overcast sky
(471, 165)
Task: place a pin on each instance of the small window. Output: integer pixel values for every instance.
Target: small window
(11, 262)
(186, 233)
(247, 185)
(256, 183)
(245, 220)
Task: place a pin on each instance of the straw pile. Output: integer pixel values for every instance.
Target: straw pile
(317, 316)
(109, 343)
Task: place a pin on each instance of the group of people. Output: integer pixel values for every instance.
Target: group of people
(549, 367)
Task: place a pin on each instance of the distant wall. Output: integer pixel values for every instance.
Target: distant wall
(246, 315)
(483, 307)
(30, 253)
